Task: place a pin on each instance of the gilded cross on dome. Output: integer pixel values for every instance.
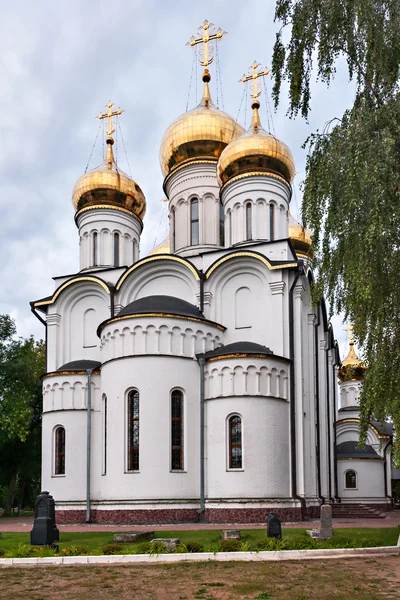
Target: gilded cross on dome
(208, 34)
(109, 116)
(253, 76)
(350, 329)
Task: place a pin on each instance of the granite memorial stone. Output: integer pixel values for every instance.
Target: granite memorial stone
(44, 531)
(169, 543)
(129, 537)
(231, 534)
(325, 531)
(274, 528)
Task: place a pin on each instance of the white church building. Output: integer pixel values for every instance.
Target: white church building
(199, 383)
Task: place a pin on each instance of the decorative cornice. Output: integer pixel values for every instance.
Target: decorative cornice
(239, 355)
(107, 207)
(256, 174)
(149, 259)
(160, 315)
(208, 160)
(277, 287)
(380, 436)
(56, 373)
(67, 284)
(248, 254)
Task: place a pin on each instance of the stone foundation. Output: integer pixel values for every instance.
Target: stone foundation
(226, 515)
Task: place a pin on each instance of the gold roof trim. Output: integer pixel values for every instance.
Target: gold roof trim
(238, 355)
(379, 435)
(106, 206)
(162, 315)
(255, 174)
(68, 283)
(152, 258)
(249, 254)
(55, 373)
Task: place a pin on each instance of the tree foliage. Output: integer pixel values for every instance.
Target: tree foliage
(22, 362)
(352, 183)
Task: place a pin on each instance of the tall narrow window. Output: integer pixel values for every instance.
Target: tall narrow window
(230, 241)
(60, 451)
(271, 222)
(194, 222)
(173, 230)
(176, 430)
(221, 225)
(95, 258)
(249, 233)
(133, 431)
(351, 480)
(116, 249)
(235, 442)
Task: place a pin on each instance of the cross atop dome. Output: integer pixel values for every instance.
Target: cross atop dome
(109, 116)
(253, 77)
(208, 34)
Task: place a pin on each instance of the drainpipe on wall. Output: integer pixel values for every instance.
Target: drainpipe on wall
(88, 441)
(202, 503)
(292, 396)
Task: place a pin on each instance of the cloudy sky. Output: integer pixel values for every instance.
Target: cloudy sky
(60, 62)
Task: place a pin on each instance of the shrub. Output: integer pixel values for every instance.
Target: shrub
(300, 542)
(229, 545)
(194, 546)
(367, 542)
(76, 551)
(337, 541)
(45, 551)
(143, 548)
(270, 544)
(112, 549)
(158, 548)
(2, 552)
(24, 551)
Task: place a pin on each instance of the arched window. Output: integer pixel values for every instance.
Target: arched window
(350, 480)
(176, 430)
(221, 225)
(95, 257)
(116, 249)
(230, 241)
(194, 222)
(235, 442)
(173, 230)
(104, 434)
(60, 451)
(249, 233)
(133, 430)
(271, 222)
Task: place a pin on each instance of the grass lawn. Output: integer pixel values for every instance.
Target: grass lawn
(350, 579)
(94, 541)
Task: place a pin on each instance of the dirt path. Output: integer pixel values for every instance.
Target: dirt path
(350, 579)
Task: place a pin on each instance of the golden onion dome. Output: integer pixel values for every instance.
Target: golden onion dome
(107, 185)
(352, 367)
(200, 134)
(255, 152)
(163, 248)
(300, 237)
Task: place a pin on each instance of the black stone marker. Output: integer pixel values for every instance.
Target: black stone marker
(274, 528)
(44, 532)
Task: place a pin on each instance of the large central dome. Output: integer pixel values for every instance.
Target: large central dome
(200, 134)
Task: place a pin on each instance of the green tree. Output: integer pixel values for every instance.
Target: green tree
(22, 362)
(351, 188)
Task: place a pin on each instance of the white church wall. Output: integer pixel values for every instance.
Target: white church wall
(370, 480)
(106, 222)
(154, 378)
(159, 277)
(195, 181)
(72, 323)
(158, 335)
(265, 440)
(349, 393)
(259, 193)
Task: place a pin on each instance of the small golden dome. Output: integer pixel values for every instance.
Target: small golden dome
(300, 237)
(255, 151)
(352, 367)
(163, 248)
(107, 185)
(199, 134)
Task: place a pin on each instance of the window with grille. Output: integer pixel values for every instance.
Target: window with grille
(221, 225)
(60, 451)
(116, 249)
(133, 431)
(235, 442)
(176, 430)
(249, 232)
(271, 222)
(351, 480)
(194, 222)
